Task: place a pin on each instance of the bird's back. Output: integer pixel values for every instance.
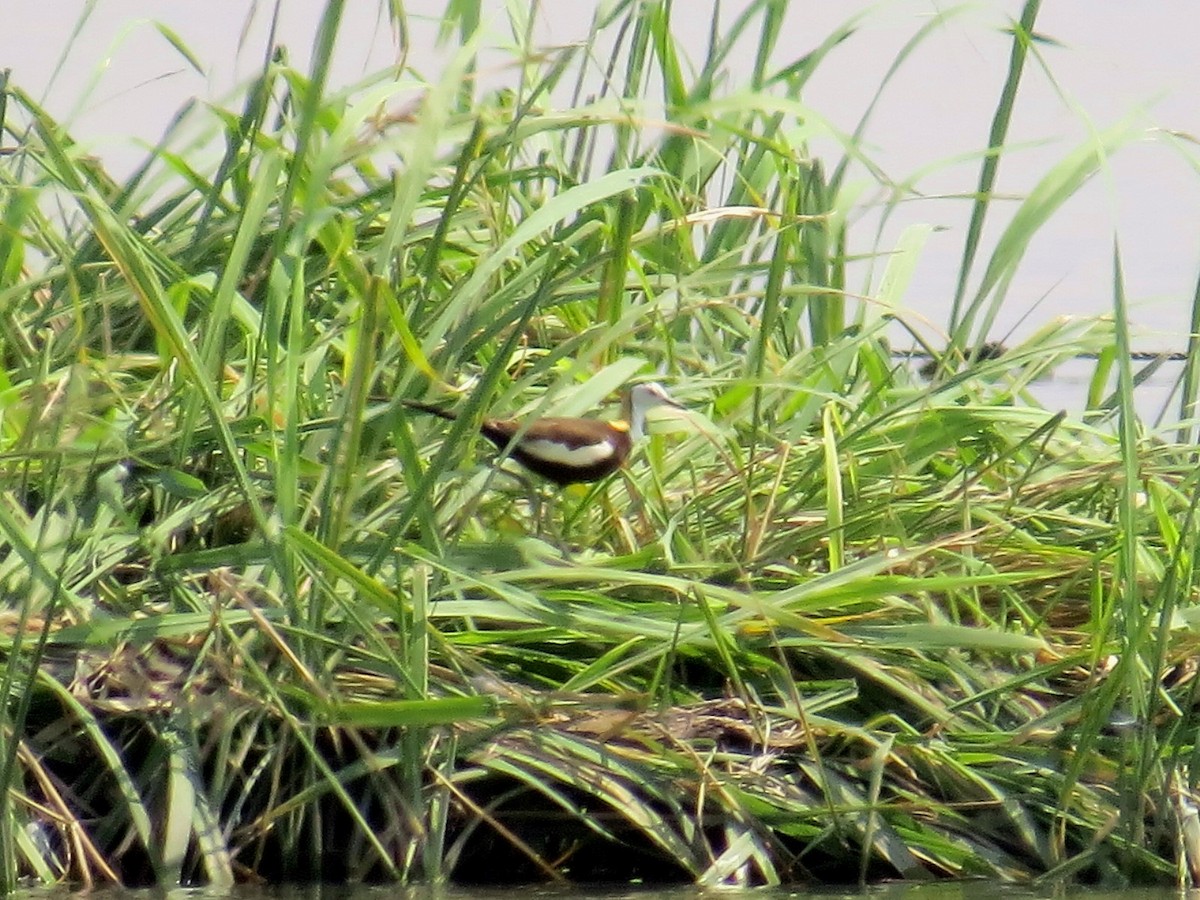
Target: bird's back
(564, 450)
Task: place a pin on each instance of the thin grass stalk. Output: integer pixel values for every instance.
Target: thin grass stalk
(609, 307)
(344, 494)
(466, 421)
(18, 683)
(137, 809)
(180, 802)
(635, 77)
(5, 75)
(835, 501)
(826, 314)
(421, 159)
(1134, 617)
(960, 318)
(327, 779)
(466, 16)
(434, 863)
(930, 27)
(127, 254)
(531, 82)
(1158, 757)
(306, 126)
(263, 194)
(1189, 401)
(245, 134)
(465, 176)
(761, 347)
(1117, 615)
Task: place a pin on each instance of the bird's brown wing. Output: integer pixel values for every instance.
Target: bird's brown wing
(566, 451)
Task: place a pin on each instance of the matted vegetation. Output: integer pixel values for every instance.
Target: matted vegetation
(838, 623)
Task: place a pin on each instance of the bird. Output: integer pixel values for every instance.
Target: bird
(567, 450)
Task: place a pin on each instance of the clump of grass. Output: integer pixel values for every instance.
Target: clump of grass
(267, 623)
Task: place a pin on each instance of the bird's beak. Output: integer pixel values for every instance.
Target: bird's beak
(668, 410)
(665, 399)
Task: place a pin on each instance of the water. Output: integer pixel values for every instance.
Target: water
(942, 890)
(1156, 398)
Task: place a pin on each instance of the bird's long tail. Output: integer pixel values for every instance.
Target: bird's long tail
(430, 408)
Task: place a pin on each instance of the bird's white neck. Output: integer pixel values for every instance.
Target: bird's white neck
(635, 414)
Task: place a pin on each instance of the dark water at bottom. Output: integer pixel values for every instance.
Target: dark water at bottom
(945, 890)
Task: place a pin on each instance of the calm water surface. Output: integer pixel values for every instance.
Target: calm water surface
(1156, 398)
(959, 890)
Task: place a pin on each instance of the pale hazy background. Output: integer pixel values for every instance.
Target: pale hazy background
(118, 81)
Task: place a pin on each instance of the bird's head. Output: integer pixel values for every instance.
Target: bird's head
(643, 397)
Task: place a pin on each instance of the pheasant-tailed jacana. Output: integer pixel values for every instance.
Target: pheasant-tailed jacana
(567, 450)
